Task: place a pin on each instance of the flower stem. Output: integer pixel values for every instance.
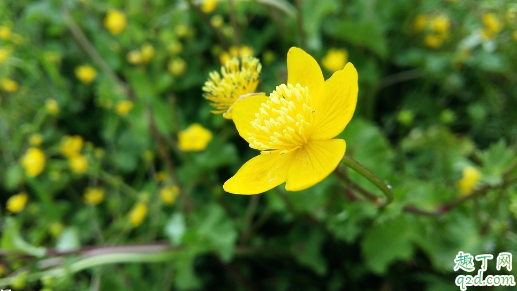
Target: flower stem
(386, 189)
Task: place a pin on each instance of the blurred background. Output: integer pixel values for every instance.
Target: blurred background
(112, 163)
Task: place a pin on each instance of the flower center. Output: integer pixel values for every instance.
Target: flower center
(283, 122)
(238, 77)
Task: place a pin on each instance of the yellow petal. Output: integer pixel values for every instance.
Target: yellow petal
(303, 69)
(313, 163)
(262, 173)
(243, 113)
(336, 103)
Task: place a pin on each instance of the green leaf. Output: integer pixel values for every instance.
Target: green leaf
(141, 84)
(218, 232)
(495, 161)
(13, 177)
(368, 34)
(175, 228)
(308, 251)
(68, 240)
(13, 241)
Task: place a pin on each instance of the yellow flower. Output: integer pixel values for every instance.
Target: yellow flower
(135, 57)
(194, 138)
(147, 52)
(434, 40)
(169, 194)
(335, 59)
(115, 21)
(175, 47)
(239, 77)
(123, 107)
(33, 162)
(492, 23)
(236, 52)
(35, 139)
(9, 85)
(469, 180)
(440, 24)
(295, 127)
(161, 176)
(217, 20)
(5, 32)
(56, 228)
(420, 22)
(137, 214)
(177, 66)
(78, 164)
(85, 74)
(208, 5)
(514, 34)
(17, 202)
(181, 30)
(93, 196)
(5, 52)
(52, 107)
(71, 146)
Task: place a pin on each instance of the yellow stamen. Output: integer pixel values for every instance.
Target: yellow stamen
(283, 123)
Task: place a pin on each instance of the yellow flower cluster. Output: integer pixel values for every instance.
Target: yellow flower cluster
(17, 202)
(123, 107)
(238, 77)
(115, 22)
(235, 52)
(208, 5)
(194, 138)
(169, 194)
(335, 59)
(93, 196)
(35, 140)
(142, 56)
(137, 214)
(71, 148)
(52, 107)
(33, 161)
(492, 26)
(438, 29)
(85, 73)
(177, 66)
(469, 180)
(9, 85)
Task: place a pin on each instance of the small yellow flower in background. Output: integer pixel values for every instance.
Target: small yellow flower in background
(16, 38)
(93, 196)
(181, 30)
(5, 52)
(194, 138)
(236, 52)
(175, 47)
(85, 74)
(216, 21)
(161, 176)
(33, 162)
(208, 5)
(420, 22)
(137, 214)
(434, 40)
(5, 32)
(123, 107)
(1, 270)
(335, 59)
(147, 52)
(78, 164)
(492, 23)
(469, 180)
(52, 107)
(169, 194)
(17, 202)
(71, 146)
(56, 228)
(177, 66)
(9, 85)
(440, 24)
(239, 77)
(514, 34)
(135, 57)
(35, 139)
(115, 21)
(268, 57)
(294, 128)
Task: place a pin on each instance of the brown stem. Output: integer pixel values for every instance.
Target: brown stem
(233, 20)
(370, 196)
(203, 16)
(299, 20)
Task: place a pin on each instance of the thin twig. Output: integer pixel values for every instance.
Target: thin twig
(401, 77)
(250, 211)
(233, 20)
(370, 196)
(299, 20)
(214, 29)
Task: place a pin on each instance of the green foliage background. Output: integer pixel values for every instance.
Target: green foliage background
(423, 115)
